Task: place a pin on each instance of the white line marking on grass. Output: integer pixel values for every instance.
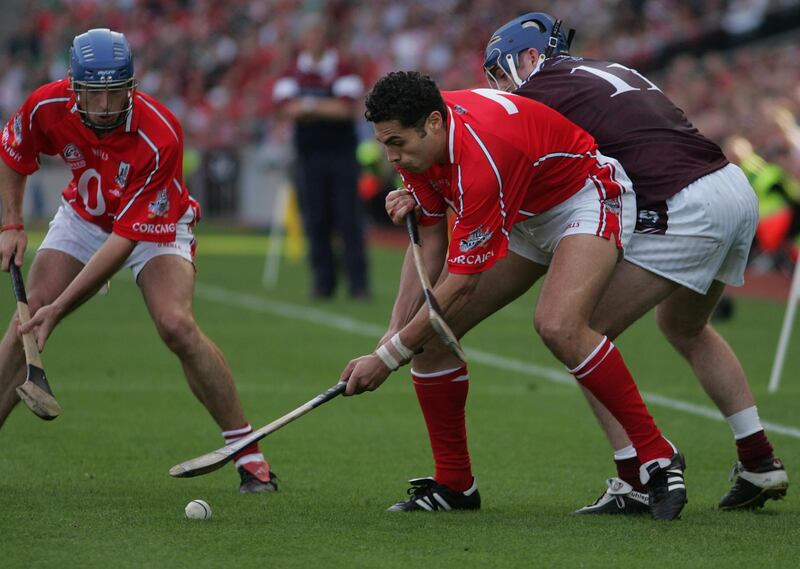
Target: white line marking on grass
(347, 324)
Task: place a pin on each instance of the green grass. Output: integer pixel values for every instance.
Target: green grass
(91, 489)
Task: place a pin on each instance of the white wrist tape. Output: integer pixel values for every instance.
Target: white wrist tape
(404, 352)
(387, 358)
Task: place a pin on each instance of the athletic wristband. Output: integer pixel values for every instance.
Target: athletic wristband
(404, 352)
(12, 227)
(387, 358)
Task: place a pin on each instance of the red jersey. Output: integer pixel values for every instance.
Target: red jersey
(510, 158)
(129, 182)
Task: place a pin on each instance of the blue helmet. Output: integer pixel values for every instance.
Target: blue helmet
(102, 59)
(533, 30)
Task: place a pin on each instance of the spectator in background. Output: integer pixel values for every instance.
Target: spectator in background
(320, 94)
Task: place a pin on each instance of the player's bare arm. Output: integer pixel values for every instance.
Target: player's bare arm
(409, 293)
(367, 373)
(108, 259)
(13, 240)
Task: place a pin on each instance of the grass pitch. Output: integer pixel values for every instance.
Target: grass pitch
(91, 488)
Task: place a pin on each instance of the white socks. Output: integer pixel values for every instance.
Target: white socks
(745, 423)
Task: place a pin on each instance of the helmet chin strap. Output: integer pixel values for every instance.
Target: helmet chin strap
(512, 66)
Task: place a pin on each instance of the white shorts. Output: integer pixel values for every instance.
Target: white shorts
(709, 229)
(73, 235)
(586, 212)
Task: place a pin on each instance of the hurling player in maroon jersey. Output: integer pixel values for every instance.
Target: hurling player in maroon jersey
(126, 205)
(519, 178)
(697, 214)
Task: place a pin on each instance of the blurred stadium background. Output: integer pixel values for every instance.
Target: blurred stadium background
(732, 65)
(91, 489)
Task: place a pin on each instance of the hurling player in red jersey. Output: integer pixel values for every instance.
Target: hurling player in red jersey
(518, 176)
(126, 205)
(696, 219)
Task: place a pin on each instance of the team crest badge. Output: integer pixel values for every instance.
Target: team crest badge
(18, 129)
(477, 238)
(5, 136)
(160, 206)
(122, 175)
(73, 156)
(72, 153)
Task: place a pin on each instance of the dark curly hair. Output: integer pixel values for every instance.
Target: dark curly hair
(405, 96)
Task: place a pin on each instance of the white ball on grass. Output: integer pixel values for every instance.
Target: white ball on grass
(198, 510)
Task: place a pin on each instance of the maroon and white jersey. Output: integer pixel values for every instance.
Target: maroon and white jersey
(129, 182)
(632, 121)
(509, 159)
(329, 77)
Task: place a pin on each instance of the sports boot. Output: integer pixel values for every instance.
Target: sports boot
(752, 488)
(256, 477)
(619, 498)
(430, 496)
(665, 486)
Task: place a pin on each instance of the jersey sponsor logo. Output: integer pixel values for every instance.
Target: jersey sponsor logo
(154, 228)
(13, 153)
(476, 259)
(160, 206)
(73, 156)
(460, 110)
(121, 179)
(477, 238)
(101, 154)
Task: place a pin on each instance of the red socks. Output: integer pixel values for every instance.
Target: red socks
(443, 397)
(753, 450)
(250, 453)
(605, 374)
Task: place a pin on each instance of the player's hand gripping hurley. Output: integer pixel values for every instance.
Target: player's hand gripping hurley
(434, 311)
(214, 460)
(35, 392)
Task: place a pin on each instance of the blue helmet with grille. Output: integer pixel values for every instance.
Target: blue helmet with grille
(533, 30)
(101, 61)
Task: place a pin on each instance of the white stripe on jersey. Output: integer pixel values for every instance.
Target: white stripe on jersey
(451, 136)
(129, 121)
(601, 189)
(45, 102)
(460, 209)
(166, 122)
(149, 176)
(416, 199)
(497, 175)
(177, 185)
(558, 155)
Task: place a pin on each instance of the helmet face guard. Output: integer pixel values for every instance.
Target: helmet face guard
(107, 95)
(533, 30)
(101, 76)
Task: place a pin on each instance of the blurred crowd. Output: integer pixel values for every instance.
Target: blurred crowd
(215, 63)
